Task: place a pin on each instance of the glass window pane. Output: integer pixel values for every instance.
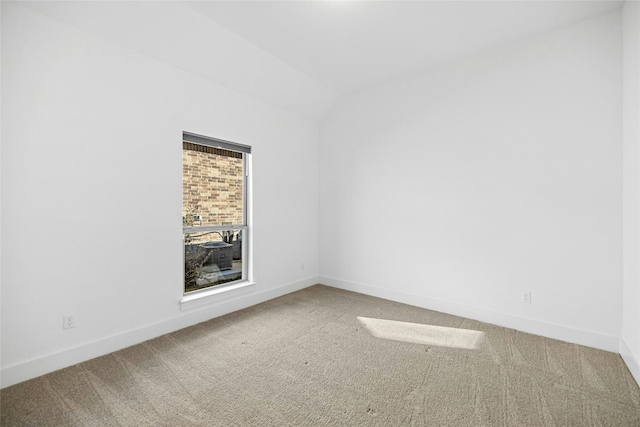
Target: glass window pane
(212, 186)
(212, 258)
(213, 212)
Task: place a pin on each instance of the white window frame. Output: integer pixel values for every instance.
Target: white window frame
(246, 284)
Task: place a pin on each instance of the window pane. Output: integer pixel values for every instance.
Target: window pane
(213, 212)
(212, 258)
(212, 186)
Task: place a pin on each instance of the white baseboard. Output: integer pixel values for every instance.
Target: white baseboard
(536, 327)
(630, 359)
(33, 368)
(36, 367)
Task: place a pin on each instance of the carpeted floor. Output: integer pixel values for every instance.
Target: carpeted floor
(327, 357)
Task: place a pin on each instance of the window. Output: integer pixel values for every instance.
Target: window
(214, 212)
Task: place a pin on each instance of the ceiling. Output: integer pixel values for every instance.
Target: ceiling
(305, 56)
(350, 45)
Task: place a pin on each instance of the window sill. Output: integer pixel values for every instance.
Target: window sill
(216, 294)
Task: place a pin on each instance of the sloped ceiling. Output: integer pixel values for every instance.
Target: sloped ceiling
(351, 45)
(303, 56)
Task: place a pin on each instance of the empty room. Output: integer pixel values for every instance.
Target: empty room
(385, 213)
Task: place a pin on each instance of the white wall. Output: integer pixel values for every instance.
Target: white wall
(91, 192)
(459, 188)
(630, 342)
(176, 34)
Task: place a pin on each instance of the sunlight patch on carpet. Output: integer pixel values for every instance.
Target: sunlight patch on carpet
(417, 333)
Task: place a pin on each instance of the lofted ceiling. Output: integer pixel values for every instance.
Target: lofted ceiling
(351, 45)
(304, 56)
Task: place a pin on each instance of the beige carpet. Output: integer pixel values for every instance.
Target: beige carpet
(322, 357)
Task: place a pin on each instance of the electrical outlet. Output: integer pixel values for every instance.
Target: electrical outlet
(526, 297)
(68, 321)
